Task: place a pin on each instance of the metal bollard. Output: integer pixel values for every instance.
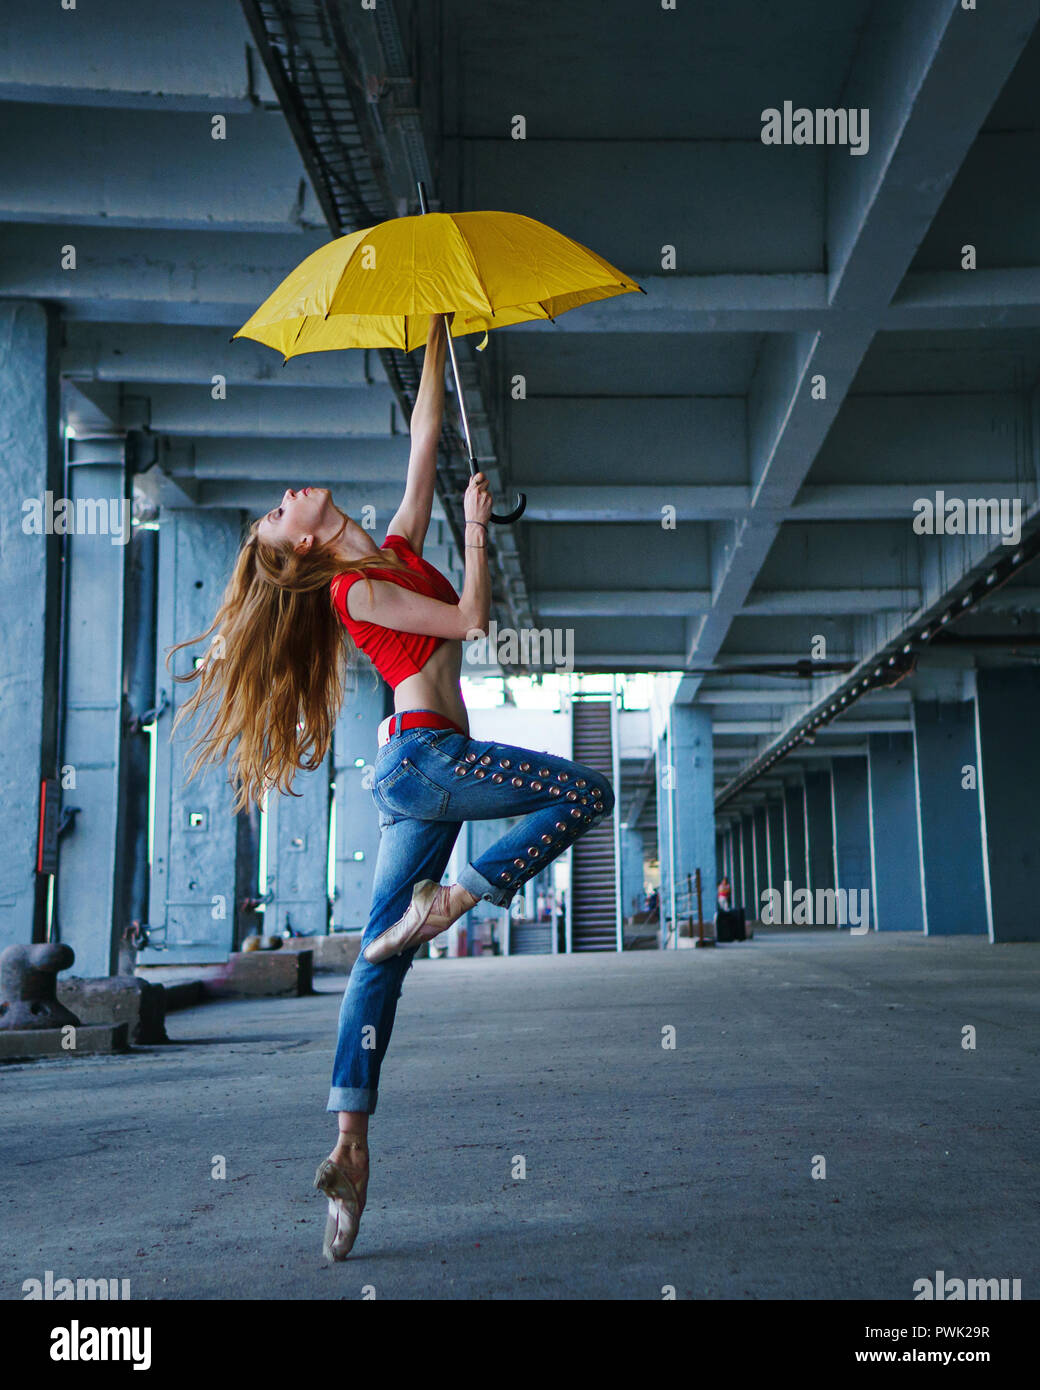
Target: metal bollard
(28, 981)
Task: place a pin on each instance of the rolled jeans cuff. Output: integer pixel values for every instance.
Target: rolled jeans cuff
(352, 1098)
(478, 885)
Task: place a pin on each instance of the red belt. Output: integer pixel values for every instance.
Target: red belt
(417, 719)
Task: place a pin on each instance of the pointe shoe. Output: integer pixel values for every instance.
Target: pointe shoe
(429, 913)
(345, 1207)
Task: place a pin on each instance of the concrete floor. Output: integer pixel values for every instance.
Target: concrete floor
(646, 1167)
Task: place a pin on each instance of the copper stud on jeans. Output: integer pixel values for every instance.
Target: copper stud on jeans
(520, 863)
(505, 763)
(518, 781)
(536, 786)
(496, 777)
(525, 767)
(507, 878)
(486, 759)
(565, 776)
(554, 791)
(533, 851)
(575, 812)
(543, 772)
(572, 796)
(460, 772)
(471, 757)
(479, 772)
(561, 825)
(546, 839)
(580, 782)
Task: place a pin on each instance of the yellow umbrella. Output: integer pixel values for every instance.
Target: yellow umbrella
(376, 288)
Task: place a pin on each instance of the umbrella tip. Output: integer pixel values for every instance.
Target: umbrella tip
(640, 289)
(233, 337)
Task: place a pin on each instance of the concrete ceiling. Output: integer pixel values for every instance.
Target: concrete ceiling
(793, 511)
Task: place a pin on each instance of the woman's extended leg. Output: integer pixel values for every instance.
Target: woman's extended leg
(408, 850)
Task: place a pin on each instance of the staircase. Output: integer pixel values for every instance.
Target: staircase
(593, 868)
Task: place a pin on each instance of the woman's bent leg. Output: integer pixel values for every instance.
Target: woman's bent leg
(408, 850)
(476, 780)
(562, 805)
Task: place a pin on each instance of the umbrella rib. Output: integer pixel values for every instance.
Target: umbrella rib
(473, 262)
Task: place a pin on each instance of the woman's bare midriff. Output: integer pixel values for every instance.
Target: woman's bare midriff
(436, 686)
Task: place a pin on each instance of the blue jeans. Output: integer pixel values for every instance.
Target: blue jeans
(427, 782)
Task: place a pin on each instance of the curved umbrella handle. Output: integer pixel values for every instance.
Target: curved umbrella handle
(516, 513)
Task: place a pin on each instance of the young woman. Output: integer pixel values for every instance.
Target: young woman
(306, 577)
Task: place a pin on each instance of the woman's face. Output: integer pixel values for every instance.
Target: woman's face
(309, 512)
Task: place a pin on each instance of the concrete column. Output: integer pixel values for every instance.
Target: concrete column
(761, 838)
(664, 825)
(851, 811)
(132, 867)
(191, 908)
(895, 849)
(775, 839)
(1007, 708)
(30, 590)
(632, 885)
(796, 869)
(88, 893)
(298, 856)
(819, 826)
(949, 820)
(694, 796)
(354, 748)
(746, 886)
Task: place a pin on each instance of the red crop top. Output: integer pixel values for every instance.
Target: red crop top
(395, 655)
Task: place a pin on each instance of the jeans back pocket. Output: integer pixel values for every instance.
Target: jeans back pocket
(409, 792)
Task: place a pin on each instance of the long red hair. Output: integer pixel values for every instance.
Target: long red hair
(274, 675)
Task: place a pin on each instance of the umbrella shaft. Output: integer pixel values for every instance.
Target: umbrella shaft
(424, 208)
(460, 398)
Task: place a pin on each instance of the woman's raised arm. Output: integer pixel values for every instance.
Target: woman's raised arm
(391, 605)
(412, 518)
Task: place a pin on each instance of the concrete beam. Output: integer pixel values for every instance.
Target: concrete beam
(278, 458)
(831, 502)
(182, 355)
(143, 66)
(878, 210)
(138, 275)
(607, 602)
(929, 79)
(255, 412)
(251, 180)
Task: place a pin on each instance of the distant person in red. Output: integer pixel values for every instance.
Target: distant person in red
(725, 894)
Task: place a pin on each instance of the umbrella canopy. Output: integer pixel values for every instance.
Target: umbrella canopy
(377, 288)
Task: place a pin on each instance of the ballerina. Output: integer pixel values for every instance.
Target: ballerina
(308, 586)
